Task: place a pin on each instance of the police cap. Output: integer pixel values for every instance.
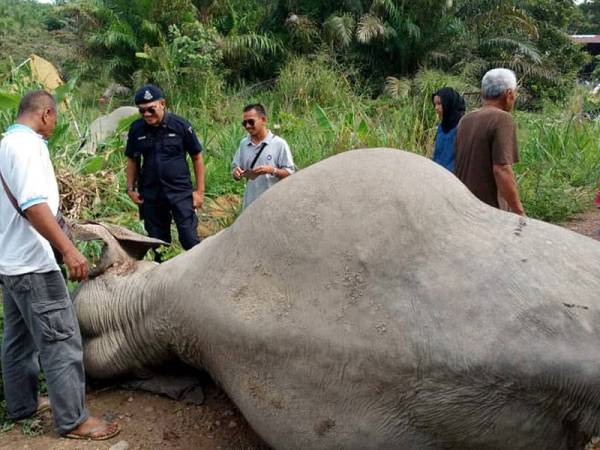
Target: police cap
(148, 93)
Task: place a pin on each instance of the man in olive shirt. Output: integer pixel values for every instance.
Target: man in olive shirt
(486, 144)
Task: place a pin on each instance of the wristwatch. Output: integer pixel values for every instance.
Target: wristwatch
(274, 171)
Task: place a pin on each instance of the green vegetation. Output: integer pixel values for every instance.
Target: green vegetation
(315, 107)
(559, 166)
(333, 77)
(192, 44)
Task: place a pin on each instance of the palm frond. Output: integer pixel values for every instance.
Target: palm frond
(438, 57)
(340, 29)
(303, 30)
(150, 29)
(411, 29)
(253, 47)
(506, 43)
(526, 69)
(386, 9)
(396, 87)
(521, 20)
(116, 39)
(505, 17)
(369, 28)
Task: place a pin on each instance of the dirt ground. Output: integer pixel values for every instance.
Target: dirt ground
(149, 422)
(153, 422)
(587, 223)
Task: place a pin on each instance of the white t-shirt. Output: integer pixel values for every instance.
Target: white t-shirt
(27, 170)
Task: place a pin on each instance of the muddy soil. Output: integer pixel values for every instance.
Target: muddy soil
(153, 422)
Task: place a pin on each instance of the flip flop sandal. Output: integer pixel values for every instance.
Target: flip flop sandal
(43, 406)
(90, 435)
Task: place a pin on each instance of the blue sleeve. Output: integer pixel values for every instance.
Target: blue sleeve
(444, 153)
(437, 148)
(191, 143)
(131, 146)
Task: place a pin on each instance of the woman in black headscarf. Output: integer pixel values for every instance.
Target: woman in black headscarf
(450, 107)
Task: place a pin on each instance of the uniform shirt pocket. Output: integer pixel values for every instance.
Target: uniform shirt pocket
(145, 147)
(172, 145)
(55, 318)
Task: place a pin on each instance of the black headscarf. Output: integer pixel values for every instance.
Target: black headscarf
(453, 106)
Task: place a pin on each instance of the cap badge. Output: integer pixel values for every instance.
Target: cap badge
(147, 95)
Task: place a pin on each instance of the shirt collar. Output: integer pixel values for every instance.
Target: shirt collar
(166, 120)
(15, 127)
(266, 140)
(164, 123)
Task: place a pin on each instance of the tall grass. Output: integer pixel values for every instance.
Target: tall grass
(560, 164)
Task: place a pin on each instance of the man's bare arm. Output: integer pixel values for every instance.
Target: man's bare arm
(198, 163)
(132, 172)
(507, 187)
(44, 222)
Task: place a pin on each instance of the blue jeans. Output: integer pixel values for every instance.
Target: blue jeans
(40, 326)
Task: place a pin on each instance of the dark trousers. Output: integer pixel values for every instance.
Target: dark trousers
(40, 322)
(158, 213)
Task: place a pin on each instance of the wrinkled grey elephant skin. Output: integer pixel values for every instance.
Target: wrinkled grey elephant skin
(371, 302)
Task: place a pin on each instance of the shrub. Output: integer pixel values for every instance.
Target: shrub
(304, 82)
(560, 163)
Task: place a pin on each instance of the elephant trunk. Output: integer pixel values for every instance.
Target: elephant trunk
(119, 324)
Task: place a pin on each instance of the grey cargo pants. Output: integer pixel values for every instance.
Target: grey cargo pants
(40, 322)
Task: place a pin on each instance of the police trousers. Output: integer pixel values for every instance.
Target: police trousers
(158, 213)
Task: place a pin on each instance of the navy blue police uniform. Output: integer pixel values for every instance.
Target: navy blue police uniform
(164, 181)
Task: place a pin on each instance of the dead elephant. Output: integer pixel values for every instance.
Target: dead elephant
(371, 302)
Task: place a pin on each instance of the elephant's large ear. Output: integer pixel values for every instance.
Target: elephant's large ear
(122, 246)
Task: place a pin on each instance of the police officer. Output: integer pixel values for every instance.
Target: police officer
(158, 177)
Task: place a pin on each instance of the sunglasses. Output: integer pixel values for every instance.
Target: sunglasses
(149, 109)
(250, 122)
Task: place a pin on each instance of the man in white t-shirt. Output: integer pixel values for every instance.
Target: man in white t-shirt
(262, 158)
(39, 319)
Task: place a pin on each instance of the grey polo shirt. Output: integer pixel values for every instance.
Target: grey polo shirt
(275, 154)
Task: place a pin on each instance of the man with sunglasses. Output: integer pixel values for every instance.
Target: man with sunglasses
(262, 158)
(158, 177)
